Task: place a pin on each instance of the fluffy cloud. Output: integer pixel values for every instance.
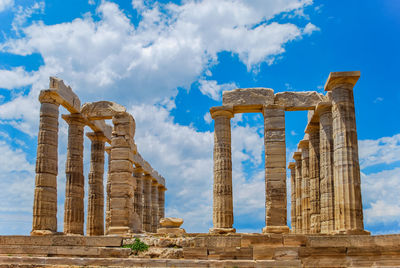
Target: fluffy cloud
(385, 150)
(212, 89)
(5, 4)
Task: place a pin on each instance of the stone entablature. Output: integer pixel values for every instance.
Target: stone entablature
(124, 204)
(325, 177)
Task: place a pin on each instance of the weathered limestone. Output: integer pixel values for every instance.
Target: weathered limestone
(348, 203)
(222, 202)
(74, 190)
(292, 167)
(147, 180)
(275, 170)
(171, 225)
(305, 186)
(95, 217)
(248, 100)
(45, 199)
(138, 193)
(314, 160)
(327, 204)
(108, 189)
(298, 183)
(154, 206)
(298, 101)
(161, 203)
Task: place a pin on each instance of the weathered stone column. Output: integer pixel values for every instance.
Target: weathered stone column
(147, 180)
(315, 218)
(305, 186)
(138, 193)
(327, 203)
(348, 203)
(161, 203)
(74, 212)
(108, 210)
(45, 197)
(154, 206)
(298, 182)
(292, 167)
(95, 217)
(275, 170)
(222, 189)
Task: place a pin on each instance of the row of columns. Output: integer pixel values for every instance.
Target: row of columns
(325, 177)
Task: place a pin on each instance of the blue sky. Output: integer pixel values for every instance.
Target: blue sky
(168, 63)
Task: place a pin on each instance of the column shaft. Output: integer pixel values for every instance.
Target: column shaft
(315, 218)
(138, 193)
(147, 203)
(305, 186)
(298, 182)
(161, 204)
(292, 167)
(45, 197)
(108, 189)
(154, 207)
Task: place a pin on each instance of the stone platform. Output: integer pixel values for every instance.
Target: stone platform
(204, 250)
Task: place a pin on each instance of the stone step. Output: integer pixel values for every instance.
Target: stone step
(64, 251)
(62, 240)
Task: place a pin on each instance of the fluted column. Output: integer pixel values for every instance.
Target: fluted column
(305, 185)
(298, 183)
(45, 197)
(154, 206)
(108, 185)
(222, 189)
(275, 170)
(348, 203)
(161, 203)
(74, 212)
(147, 180)
(315, 218)
(292, 167)
(138, 193)
(95, 217)
(324, 111)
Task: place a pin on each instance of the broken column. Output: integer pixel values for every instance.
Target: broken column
(138, 193)
(147, 180)
(75, 180)
(45, 198)
(298, 184)
(275, 170)
(95, 217)
(348, 203)
(292, 167)
(154, 206)
(222, 189)
(305, 186)
(327, 204)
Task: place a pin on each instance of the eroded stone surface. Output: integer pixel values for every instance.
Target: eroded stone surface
(248, 99)
(171, 222)
(298, 101)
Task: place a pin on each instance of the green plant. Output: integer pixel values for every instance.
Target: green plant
(137, 246)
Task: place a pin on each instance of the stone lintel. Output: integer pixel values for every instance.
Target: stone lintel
(101, 126)
(303, 144)
(96, 136)
(76, 117)
(336, 78)
(248, 99)
(292, 165)
(240, 109)
(221, 110)
(64, 94)
(297, 156)
(102, 110)
(298, 101)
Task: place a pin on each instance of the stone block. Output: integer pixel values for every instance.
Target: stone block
(171, 230)
(298, 101)
(294, 240)
(250, 97)
(199, 253)
(171, 222)
(101, 110)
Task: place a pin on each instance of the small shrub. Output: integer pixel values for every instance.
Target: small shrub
(137, 246)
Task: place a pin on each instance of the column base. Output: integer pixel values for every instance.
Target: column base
(276, 230)
(123, 231)
(352, 232)
(222, 230)
(42, 232)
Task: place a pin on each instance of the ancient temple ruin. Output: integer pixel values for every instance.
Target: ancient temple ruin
(135, 191)
(325, 177)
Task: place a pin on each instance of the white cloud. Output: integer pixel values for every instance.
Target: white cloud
(385, 150)
(310, 28)
(212, 89)
(5, 4)
(378, 99)
(91, 2)
(22, 14)
(207, 118)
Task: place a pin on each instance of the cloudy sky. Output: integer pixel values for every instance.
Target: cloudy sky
(168, 63)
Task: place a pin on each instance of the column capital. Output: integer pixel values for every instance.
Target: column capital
(96, 136)
(312, 127)
(323, 108)
(339, 78)
(303, 144)
(291, 165)
(74, 119)
(108, 149)
(297, 156)
(226, 111)
(48, 96)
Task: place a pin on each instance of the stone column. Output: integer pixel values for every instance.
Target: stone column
(74, 211)
(95, 217)
(154, 206)
(348, 203)
(315, 218)
(138, 193)
(292, 167)
(275, 170)
(222, 189)
(324, 111)
(305, 186)
(161, 203)
(147, 203)
(108, 210)
(298, 182)
(45, 197)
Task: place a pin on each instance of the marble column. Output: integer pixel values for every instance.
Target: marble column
(138, 193)
(45, 196)
(108, 185)
(314, 159)
(305, 186)
(275, 170)
(348, 203)
(147, 180)
(222, 189)
(298, 183)
(74, 211)
(154, 206)
(161, 203)
(292, 167)
(327, 203)
(95, 216)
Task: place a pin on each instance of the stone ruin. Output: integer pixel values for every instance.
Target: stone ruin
(135, 191)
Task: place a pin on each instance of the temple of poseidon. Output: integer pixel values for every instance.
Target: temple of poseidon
(326, 213)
